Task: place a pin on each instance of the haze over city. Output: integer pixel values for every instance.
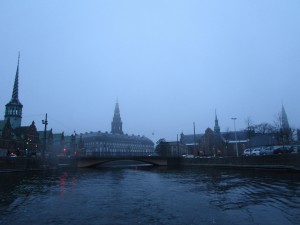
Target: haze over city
(167, 63)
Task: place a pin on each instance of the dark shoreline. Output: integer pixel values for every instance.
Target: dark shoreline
(284, 162)
(267, 162)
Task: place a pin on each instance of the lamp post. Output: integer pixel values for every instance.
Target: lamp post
(177, 147)
(236, 146)
(45, 122)
(194, 148)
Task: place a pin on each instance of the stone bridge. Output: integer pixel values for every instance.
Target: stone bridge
(277, 162)
(90, 161)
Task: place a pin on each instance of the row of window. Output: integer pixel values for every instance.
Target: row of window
(13, 111)
(115, 145)
(118, 147)
(116, 154)
(118, 150)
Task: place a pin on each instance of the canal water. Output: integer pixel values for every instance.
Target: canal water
(150, 195)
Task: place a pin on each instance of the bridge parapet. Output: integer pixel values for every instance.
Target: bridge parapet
(90, 161)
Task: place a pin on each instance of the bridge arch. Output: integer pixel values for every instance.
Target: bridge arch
(85, 162)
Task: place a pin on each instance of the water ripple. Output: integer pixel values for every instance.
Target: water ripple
(150, 196)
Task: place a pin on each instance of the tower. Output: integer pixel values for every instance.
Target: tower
(13, 109)
(284, 119)
(217, 127)
(116, 124)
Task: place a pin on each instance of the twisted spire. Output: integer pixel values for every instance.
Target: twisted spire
(13, 109)
(15, 93)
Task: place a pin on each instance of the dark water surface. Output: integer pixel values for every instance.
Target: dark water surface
(150, 195)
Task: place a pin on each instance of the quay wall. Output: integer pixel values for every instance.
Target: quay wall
(15, 164)
(281, 162)
(274, 162)
(18, 163)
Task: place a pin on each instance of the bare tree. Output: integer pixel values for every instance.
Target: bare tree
(278, 121)
(284, 135)
(264, 128)
(250, 129)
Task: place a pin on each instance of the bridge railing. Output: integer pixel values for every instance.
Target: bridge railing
(116, 154)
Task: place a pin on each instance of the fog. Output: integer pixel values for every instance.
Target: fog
(168, 63)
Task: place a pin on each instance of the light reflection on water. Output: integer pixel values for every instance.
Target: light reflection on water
(150, 195)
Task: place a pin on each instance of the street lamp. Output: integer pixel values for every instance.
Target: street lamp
(194, 150)
(45, 122)
(236, 146)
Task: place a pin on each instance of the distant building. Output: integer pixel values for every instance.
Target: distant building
(210, 144)
(214, 144)
(17, 139)
(171, 148)
(116, 142)
(231, 143)
(59, 144)
(232, 139)
(191, 141)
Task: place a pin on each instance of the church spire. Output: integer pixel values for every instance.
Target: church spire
(13, 109)
(15, 94)
(116, 124)
(284, 119)
(217, 127)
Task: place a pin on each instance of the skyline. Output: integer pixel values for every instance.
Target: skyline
(168, 63)
(117, 110)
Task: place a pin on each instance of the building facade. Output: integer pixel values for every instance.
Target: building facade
(171, 148)
(15, 138)
(231, 143)
(116, 143)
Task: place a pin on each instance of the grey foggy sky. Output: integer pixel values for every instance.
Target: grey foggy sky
(169, 63)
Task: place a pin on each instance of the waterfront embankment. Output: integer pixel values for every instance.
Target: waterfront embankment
(16, 164)
(272, 162)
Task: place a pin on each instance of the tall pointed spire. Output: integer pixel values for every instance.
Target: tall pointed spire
(116, 124)
(15, 93)
(117, 109)
(217, 127)
(284, 119)
(13, 109)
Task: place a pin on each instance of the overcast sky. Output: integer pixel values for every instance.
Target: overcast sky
(169, 63)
